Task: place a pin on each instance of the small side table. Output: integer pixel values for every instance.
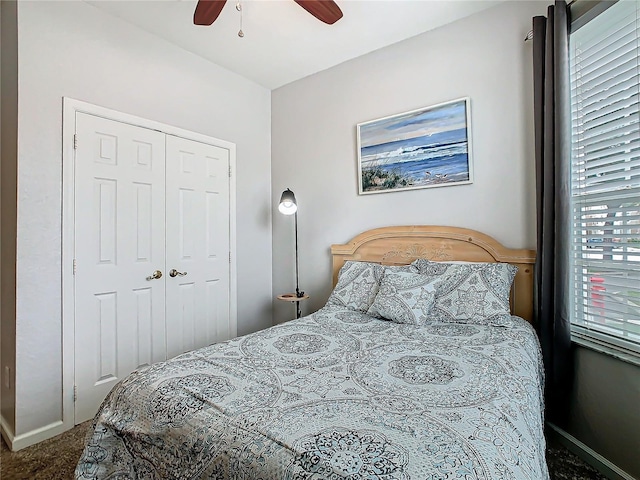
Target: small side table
(291, 297)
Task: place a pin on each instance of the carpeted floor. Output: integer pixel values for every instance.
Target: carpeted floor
(55, 459)
(564, 465)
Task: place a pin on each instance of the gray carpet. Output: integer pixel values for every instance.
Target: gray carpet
(564, 465)
(55, 459)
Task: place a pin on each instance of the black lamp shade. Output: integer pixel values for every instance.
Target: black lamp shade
(288, 204)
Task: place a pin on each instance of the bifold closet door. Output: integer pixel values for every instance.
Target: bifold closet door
(119, 244)
(197, 257)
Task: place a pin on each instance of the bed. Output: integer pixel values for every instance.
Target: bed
(422, 365)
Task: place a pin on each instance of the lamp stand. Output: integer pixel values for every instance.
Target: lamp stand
(298, 292)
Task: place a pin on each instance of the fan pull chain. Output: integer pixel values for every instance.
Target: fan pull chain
(239, 8)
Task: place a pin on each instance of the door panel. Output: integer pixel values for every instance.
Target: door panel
(119, 242)
(145, 201)
(197, 244)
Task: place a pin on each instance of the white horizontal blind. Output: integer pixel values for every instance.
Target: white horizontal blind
(605, 181)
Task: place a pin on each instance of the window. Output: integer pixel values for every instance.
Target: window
(605, 178)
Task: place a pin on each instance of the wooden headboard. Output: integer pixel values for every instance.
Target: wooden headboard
(402, 245)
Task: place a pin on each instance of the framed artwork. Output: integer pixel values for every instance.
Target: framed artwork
(428, 147)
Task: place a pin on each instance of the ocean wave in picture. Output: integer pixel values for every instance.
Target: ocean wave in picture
(413, 154)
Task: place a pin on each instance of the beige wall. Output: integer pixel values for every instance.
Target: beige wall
(73, 49)
(8, 159)
(605, 408)
(314, 153)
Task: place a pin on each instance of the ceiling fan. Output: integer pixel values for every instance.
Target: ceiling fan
(326, 11)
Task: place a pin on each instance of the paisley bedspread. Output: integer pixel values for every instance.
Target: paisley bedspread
(336, 394)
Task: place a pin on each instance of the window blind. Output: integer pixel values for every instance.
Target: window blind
(605, 177)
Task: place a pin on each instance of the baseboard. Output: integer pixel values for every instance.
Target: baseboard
(6, 432)
(590, 456)
(18, 442)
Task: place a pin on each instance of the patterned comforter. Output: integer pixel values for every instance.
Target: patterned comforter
(336, 394)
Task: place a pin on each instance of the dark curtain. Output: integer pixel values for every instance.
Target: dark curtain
(553, 170)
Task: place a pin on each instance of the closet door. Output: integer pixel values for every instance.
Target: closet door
(197, 258)
(119, 244)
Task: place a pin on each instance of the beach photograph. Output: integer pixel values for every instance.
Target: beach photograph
(428, 147)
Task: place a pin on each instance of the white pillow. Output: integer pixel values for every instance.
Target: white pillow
(357, 286)
(470, 292)
(404, 297)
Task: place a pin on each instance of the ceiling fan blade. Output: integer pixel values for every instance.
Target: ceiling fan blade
(326, 11)
(207, 11)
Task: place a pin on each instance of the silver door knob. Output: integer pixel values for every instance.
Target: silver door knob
(155, 275)
(175, 273)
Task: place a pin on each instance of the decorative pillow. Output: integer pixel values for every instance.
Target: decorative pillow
(358, 284)
(470, 292)
(404, 297)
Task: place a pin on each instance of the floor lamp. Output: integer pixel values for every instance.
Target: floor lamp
(289, 206)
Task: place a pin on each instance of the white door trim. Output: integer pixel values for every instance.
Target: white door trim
(70, 108)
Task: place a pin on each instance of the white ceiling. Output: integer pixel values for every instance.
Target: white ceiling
(282, 42)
